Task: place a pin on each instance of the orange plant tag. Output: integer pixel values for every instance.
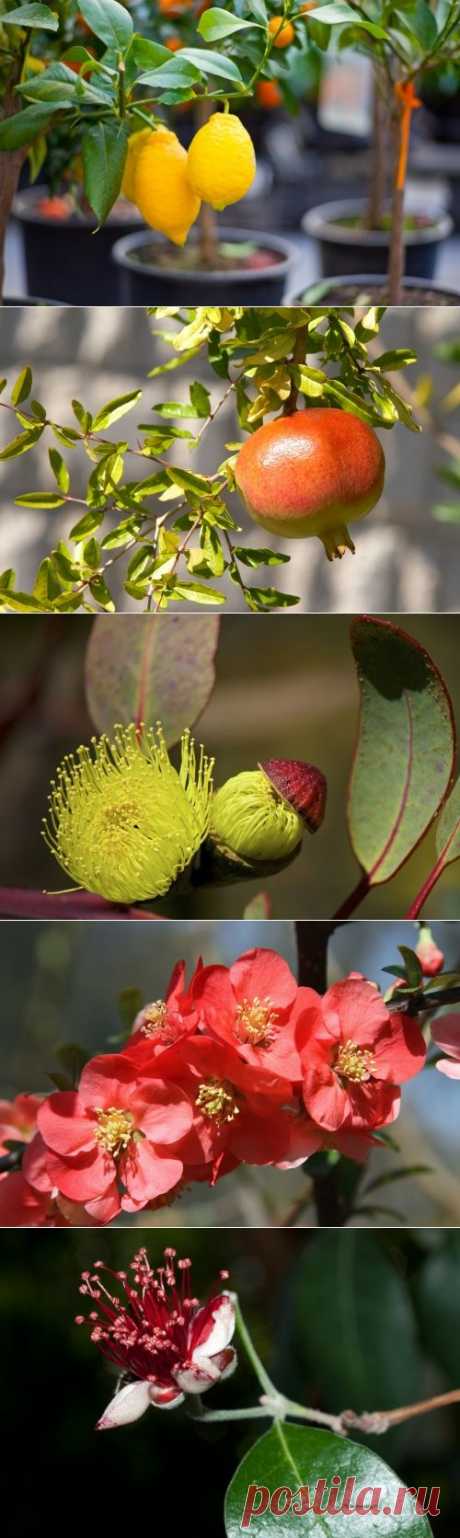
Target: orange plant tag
(404, 92)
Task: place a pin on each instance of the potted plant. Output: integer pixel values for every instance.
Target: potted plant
(118, 82)
(381, 236)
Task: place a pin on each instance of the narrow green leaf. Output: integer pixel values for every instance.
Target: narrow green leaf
(405, 750)
(288, 1462)
(59, 469)
(262, 557)
(115, 409)
(40, 499)
(22, 443)
(154, 669)
(99, 590)
(22, 388)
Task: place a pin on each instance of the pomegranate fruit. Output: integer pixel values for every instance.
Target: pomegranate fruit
(310, 473)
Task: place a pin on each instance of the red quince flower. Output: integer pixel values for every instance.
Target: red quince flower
(239, 1111)
(254, 1006)
(164, 1341)
(355, 1053)
(18, 1119)
(446, 1036)
(164, 1021)
(108, 1138)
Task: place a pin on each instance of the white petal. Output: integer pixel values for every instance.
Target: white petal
(221, 1331)
(128, 1405)
(196, 1381)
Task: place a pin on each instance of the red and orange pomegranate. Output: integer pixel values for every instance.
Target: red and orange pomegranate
(310, 474)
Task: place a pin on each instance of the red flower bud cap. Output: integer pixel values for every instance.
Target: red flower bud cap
(302, 785)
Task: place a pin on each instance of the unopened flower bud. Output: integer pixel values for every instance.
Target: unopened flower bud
(256, 815)
(302, 785)
(428, 954)
(122, 821)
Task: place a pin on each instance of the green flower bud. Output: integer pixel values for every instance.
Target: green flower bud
(251, 820)
(122, 821)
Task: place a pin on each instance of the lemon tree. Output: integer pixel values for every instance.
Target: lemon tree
(173, 532)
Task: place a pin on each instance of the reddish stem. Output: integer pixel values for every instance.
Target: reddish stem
(19, 903)
(356, 897)
(431, 880)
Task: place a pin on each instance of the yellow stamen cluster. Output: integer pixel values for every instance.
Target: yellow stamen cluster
(154, 1018)
(355, 1063)
(256, 1020)
(114, 1130)
(216, 1099)
(122, 821)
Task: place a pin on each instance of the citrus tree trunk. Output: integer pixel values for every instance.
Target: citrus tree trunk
(10, 169)
(378, 179)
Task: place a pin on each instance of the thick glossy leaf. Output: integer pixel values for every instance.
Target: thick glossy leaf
(216, 24)
(104, 153)
(24, 126)
(344, 1290)
(109, 21)
(437, 1301)
(292, 1458)
(448, 828)
(405, 751)
(151, 668)
(337, 14)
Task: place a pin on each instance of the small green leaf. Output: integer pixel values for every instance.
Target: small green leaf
(216, 24)
(22, 388)
(109, 21)
(59, 469)
(115, 409)
(99, 590)
(40, 499)
(40, 16)
(262, 557)
(22, 443)
(104, 155)
(200, 399)
(405, 751)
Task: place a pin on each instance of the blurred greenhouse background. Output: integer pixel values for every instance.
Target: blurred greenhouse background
(286, 688)
(406, 560)
(340, 1319)
(62, 983)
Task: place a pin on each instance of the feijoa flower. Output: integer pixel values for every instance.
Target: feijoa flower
(123, 822)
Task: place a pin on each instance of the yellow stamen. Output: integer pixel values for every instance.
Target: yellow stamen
(355, 1063)
(216, 1099)
(256, 1019)
(154, 1018)
(114, 1129)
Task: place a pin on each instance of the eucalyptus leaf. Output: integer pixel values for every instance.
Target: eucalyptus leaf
(151, 669)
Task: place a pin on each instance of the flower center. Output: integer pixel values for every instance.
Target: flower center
(216, 1099)
(122, 816)
(354, 1063)
(256, 1020)
(155, 1018)
(114, 1129)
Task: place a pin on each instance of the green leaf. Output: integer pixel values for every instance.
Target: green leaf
(258, 908)
(156, 669)
(293, 1459)
(175, 75)
(22, 443)
(329, 15)
(413, 970)
(405, 750)
(109, 21)
(22, 388)
(32, 16)
(200, 399)
(40, 499)
(86, 525)
(399, 357)
(115, 409)
(104, 154)
(23, 127)
(216, 24)
(210, 63)
(59, 469)
(146, 54)
(262, 557)
(448, 828)
(437, 1301)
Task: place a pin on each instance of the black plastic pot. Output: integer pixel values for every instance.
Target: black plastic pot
(65, 260)
(347, 289)
(345, 248)
(146, 282)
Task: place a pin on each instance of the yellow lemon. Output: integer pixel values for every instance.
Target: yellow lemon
(162, 190)
(221, 160)
(135, 144)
